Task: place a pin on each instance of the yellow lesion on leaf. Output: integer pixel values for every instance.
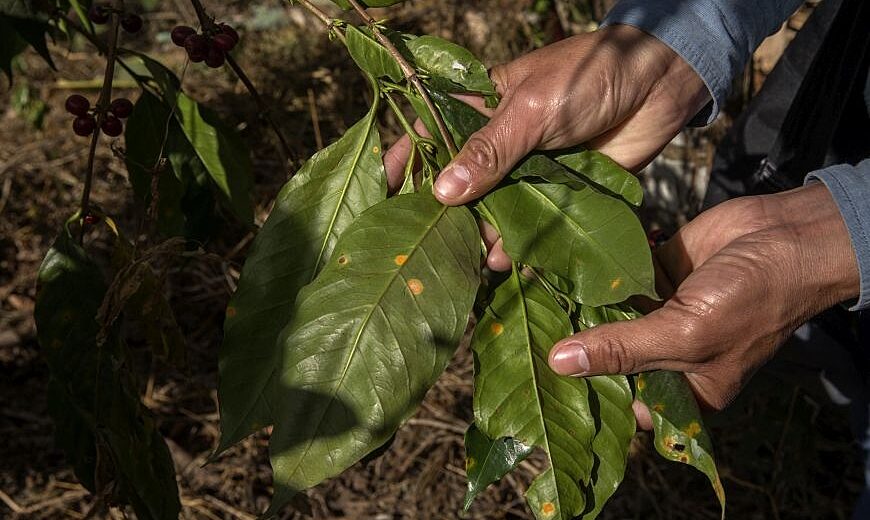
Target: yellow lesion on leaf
(684, 459)
(548, 508)
(641, 382)
(415, 286)
(343, 260)
(658, 408)
(401, 259)
(231, 312)
(614, 284)
(496, 328)
(692, 429)
(469, 463)
(376, 149)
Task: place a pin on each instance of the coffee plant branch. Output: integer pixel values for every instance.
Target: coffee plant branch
(329, 22)
(207, 23)
(102, 106)
(410, 74)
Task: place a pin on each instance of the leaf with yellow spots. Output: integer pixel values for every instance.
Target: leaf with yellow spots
(487, 460)
(312, 210)
(591, 239)
(680, 435)
(370, 337)
(517, 396)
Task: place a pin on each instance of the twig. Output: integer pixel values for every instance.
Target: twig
(6, 499)
(207, 23)
(329, 22)
(102, 107)
(410, 75)
(315, 119)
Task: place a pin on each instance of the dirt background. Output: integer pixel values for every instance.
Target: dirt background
(783, 451)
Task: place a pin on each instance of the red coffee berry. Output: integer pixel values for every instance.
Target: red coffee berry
(77, 105)
(98, 14)
(224, 42)
(181, 33)
(84, 125)
(121, 107)
(90, 219)
(215, 58)
(132, 23)
(229, 31)
(112, 126)
(197, 47)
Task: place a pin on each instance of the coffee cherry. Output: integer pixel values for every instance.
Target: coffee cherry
(90, 219)
(132, 23)
(121, 107)
(84, 125)
(197, 47)
(229, 31)
(77, 105)
(112, 126)
(215, 58)
(181, 33)
(98, 14)
(224, 42)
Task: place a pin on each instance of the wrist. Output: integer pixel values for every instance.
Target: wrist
(825, 260)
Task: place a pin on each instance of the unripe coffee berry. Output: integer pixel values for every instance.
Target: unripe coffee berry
(112, 126)
(98, 14)
(121, 108)
(224, 42)
(181, 33)
(197, 47)
(132, 23)
(84, 125)
(77, 105)
(215, 58)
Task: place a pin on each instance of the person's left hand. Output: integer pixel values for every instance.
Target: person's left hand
(746, 274)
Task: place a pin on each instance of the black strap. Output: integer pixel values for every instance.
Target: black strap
(837, 74)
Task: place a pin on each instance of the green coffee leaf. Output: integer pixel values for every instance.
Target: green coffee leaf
(605, 172)
(16, 34)
(449, 66)
(487, 460)
(591, 239)
(516, 394)
(109, 438)
(311, 212)
(371, 335)
(541, 167)
(680, 434)
(371, 56)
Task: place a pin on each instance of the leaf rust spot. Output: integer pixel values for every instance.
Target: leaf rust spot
(548, 508)
(658, 408)
(692, 429)
(415, 286)
(684, 459)
(401, 259)
(376, 150)
(469, 463)
(679, 447)
(231, 312)
(343, 260)
(497, 329)
(615, 284)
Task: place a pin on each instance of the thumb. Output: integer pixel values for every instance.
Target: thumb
(627, 347)
(489, 154)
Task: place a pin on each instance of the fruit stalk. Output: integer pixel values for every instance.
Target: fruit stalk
(207, 23)
(102, 106)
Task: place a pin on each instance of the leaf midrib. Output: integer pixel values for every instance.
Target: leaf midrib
(363, 326)
(344, 189)
(534, 373)
(576, 225)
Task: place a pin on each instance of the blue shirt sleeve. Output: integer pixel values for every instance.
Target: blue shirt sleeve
(716, 37)
(850, 187)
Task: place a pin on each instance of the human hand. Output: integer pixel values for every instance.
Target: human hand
(746, 274)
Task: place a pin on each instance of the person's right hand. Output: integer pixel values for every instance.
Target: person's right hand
(618, 90)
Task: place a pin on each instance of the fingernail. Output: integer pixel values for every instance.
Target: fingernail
(570, 359)
(453, 182)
